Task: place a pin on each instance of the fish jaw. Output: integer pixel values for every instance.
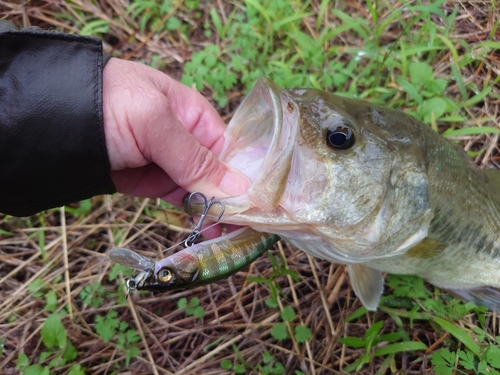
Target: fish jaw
(264, 141)
(260, 141)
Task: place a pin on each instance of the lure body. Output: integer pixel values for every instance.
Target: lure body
(200, 264)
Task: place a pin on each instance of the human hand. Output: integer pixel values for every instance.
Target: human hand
(162, 137)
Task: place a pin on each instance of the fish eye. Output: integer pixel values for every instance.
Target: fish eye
(340, 138)
(164, 275)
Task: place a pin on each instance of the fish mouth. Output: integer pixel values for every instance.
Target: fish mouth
(259, 141)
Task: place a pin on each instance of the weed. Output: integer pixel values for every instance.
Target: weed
(268, 365)
(109, 327)
(82, 208)
(373, 337)
(93, 294)
(192, 307)
(59, 350)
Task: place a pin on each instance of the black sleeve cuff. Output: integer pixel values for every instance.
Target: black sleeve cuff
(52, 144)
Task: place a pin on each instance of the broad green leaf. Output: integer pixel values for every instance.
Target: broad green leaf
(70, 352)
(199, 312)
(302, 333)
(493, 356)
(279, 331)
(420, 73)
(239, 369)
(287, 314)
(271, 303)
(36, 370)
(226, 364)
(51, 301)
(432, 108)
(182, 303)
(173, 23)
(22, 361)
(76, 369)
(36, 287)
(53, 332)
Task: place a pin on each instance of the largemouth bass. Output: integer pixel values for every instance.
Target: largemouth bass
(359, 184)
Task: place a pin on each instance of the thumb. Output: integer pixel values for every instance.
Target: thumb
(200, 170)
(191, 165)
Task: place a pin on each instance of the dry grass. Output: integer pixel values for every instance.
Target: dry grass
(70, 254)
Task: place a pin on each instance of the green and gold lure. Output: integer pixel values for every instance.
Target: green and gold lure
(197, 265)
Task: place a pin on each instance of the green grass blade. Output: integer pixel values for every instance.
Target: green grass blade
(290, 19)
(407, 346)
(459, 333)
(471, 131)
(217, 23)
(477, 98)
(260, 8)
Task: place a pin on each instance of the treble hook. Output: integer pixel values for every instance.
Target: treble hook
(195, 233)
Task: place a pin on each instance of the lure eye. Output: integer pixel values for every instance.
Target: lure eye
(340, 138)
(165, 275)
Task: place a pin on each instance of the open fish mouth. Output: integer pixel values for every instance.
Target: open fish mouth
(259, 141)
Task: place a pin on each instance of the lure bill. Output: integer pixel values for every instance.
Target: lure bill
(197, 265)
(129, 258)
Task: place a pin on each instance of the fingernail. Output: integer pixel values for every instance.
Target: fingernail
(235, 182)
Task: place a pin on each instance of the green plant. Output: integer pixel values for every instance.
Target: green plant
(59, 351)
(192, 308)
(280, 330)
(268, 366)
(371, 338)
(93, 294)
(83, 207)
(473, 358)
(39, 289)
(109, 328)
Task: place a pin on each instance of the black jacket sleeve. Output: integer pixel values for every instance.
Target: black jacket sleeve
(52, 145)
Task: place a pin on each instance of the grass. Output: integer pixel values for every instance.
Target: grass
(289, 313)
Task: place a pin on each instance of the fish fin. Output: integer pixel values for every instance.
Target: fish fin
(482, 296)
(418, 236)
(427, 248)
(368, 284)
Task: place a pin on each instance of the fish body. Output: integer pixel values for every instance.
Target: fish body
(371, 187)
(197, 265)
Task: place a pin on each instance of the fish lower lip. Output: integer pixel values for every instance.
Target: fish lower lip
(259, 145)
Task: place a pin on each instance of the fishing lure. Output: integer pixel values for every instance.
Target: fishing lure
(197, 265)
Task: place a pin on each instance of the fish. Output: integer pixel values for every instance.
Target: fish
(199, 264)
(366, 186)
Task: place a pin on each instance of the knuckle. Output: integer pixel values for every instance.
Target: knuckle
(205, 167)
